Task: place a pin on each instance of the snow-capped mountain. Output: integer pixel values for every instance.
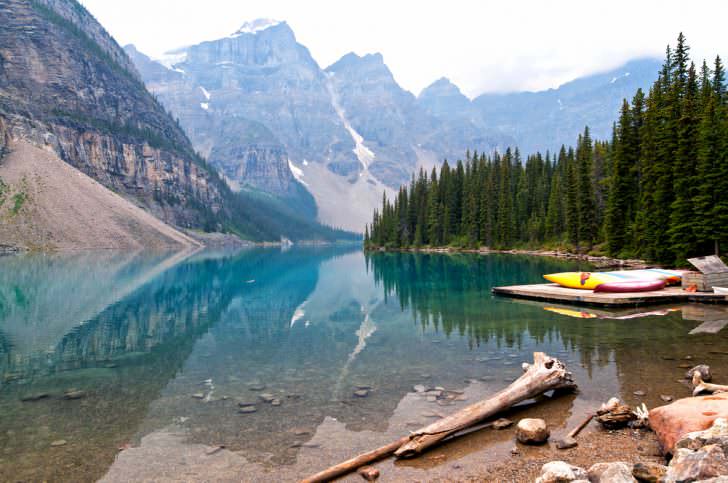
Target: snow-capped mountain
(261, 109)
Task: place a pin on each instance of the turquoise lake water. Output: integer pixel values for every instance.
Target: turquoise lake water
(166, 347)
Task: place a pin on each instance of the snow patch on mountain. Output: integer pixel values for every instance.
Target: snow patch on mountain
(297, 172)
(205, 93)
(205, 105)
(363, 153)
(171, 59)
(615, 79)
(257, 25)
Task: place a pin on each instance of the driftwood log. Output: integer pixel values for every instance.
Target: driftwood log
(702, 386)
(545, 374)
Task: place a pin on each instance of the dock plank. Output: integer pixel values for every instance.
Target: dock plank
(555, 293)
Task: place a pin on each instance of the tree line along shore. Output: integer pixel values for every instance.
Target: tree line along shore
(658, 190)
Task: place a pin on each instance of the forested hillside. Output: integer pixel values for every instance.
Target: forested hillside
(658, 189)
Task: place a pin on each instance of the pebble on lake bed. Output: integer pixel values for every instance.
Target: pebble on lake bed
(419, 388)
(639, 393)
(361, 393)
(267, 397)
(502, 423)
(198, 395)
(369, 473)
(74, 394)
(247, 409)
(34, 397)
(59, 442)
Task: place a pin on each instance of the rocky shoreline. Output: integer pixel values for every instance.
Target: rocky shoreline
(597, 261)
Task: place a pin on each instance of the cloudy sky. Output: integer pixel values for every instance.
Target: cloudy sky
(482, 46)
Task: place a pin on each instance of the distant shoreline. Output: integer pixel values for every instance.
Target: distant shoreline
(598, 261)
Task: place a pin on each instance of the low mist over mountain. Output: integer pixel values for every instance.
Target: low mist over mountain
(261, 109)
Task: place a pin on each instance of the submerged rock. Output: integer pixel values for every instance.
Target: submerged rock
(198, 395)
(361, 393)
(616, 472)
(502, 423)
(267, 397)
(74, 394)
(560, 472)
(247, 409)
(34, 397)
(703, 370)
(649, 472)
(419, 388)
(532, 431)
(59, 442)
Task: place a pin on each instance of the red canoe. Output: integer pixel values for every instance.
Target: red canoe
(631, 286)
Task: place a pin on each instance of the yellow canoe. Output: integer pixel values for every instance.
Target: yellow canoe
(583, 280)
(589, 280)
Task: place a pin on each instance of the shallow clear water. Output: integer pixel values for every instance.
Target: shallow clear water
(165, 347)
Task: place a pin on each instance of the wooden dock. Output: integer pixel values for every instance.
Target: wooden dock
(552, 292)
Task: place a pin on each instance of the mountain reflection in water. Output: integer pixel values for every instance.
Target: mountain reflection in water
(160, 341)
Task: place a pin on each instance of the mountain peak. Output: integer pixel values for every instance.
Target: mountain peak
(257, 25)
(442, 87)
(356, 62)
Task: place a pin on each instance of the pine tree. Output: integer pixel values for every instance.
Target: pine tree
(681, 231)
(621, 186)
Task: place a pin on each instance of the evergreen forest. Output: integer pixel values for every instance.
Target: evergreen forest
(658, 189)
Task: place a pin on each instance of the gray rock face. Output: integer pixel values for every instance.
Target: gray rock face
(254, 98)
(383, 113)
(353, 119)
(67, 85)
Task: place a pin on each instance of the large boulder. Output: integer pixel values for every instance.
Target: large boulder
(616, 472)
(560, 472)
(532, 431)
(716, 434)
(687, 465)
(673, 421)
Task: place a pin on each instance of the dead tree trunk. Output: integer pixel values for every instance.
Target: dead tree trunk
(545, 374)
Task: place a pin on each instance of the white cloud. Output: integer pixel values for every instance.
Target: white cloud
(480, 45)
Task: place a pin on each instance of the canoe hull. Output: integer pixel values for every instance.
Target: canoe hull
(631, 286)
(590, 280)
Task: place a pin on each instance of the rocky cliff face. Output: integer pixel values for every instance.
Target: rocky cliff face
(66, 84)
(260, 90)
(256, 101)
